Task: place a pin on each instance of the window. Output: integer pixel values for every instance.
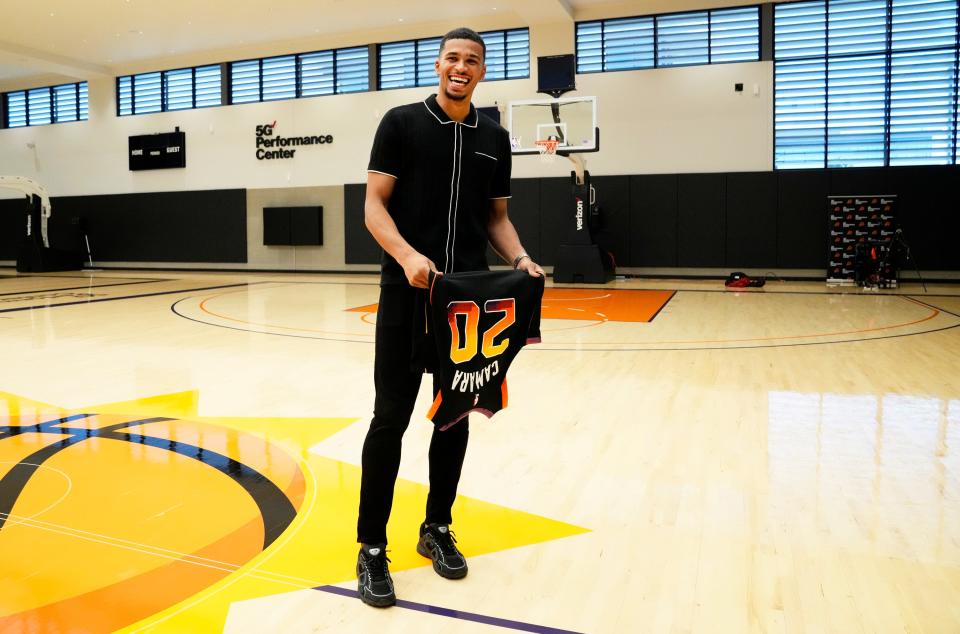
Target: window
(865, 83)
(675, 39)
(168, 90)
(313, 74)
(508, 54)
(40, 106)
(394, 62)
(410, 63)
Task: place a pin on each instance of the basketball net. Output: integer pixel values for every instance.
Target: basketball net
(548, 149)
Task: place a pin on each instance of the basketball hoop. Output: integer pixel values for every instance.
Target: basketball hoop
(548, 149)
(547, 146)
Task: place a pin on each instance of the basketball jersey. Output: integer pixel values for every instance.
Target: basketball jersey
(480, 320)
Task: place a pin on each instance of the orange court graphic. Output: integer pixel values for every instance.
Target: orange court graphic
(145, 515)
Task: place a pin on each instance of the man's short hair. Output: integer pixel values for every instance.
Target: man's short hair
(463, 33)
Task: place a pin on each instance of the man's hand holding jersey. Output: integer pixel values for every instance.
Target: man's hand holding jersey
(417, 268)
(527, 264)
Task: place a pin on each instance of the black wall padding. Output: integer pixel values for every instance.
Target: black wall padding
(191, 226)
(359, 245)
(653, 221)
(12, 226)
(613, 232)
(556, 195)
(702, 213)
(524, 211)
(929, 215)
(731, 221)
(751, 220)
(866, 180)
(802, 224)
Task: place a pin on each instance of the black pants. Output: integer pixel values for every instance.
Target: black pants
(396, 391)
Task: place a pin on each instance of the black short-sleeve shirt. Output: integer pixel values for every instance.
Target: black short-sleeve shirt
(447, 173)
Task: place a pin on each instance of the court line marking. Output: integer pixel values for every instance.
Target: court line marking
(576, 299)
(173, 309)
(456, 614)
(299, 583)
(761, 291)
(933, 315)
(662, 306)
(50, 506)
(759, 347)
(114, 299)
(84, 277)
(364, 317)
(204, 309)
(943, 310)
(156, 551)
(73, 288)
(252, 566)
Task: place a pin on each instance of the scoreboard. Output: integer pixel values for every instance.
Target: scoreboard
(158, 151)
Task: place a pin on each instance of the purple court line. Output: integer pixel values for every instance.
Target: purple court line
(75, 288)
(456, 614)
(113, 299)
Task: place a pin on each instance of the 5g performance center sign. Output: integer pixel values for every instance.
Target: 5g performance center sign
(266, 142)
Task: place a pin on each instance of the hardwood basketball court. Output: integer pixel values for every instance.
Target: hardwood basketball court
(180, 452)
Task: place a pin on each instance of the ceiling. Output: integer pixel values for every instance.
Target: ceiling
(47, 39)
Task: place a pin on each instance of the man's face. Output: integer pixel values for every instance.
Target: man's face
(460, 67)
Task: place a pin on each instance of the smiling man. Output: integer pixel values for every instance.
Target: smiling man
(437, 189)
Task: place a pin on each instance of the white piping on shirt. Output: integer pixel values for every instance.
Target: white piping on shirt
(384, 173)
(456, 203)
(450, 247)
(453, 175)
(476, 117)
(487, 155)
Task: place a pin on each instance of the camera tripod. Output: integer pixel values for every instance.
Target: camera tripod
(897, 245)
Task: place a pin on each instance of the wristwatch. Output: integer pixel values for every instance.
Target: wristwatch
(516, 260)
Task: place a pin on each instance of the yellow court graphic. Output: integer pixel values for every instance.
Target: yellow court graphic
(145, 516)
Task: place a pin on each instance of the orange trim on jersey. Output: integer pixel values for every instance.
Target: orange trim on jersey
(435, 406)
(503, 392)
(432, 282)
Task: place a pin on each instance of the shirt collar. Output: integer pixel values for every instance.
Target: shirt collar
(441, 116)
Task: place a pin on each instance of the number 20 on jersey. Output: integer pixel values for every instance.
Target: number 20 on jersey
(466, 349)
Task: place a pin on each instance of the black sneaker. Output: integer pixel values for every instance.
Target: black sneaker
(438, 543)
(374, 586)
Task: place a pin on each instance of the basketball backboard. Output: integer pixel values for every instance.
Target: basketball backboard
(572, 121)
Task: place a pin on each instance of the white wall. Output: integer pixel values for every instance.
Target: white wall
(652, 121)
